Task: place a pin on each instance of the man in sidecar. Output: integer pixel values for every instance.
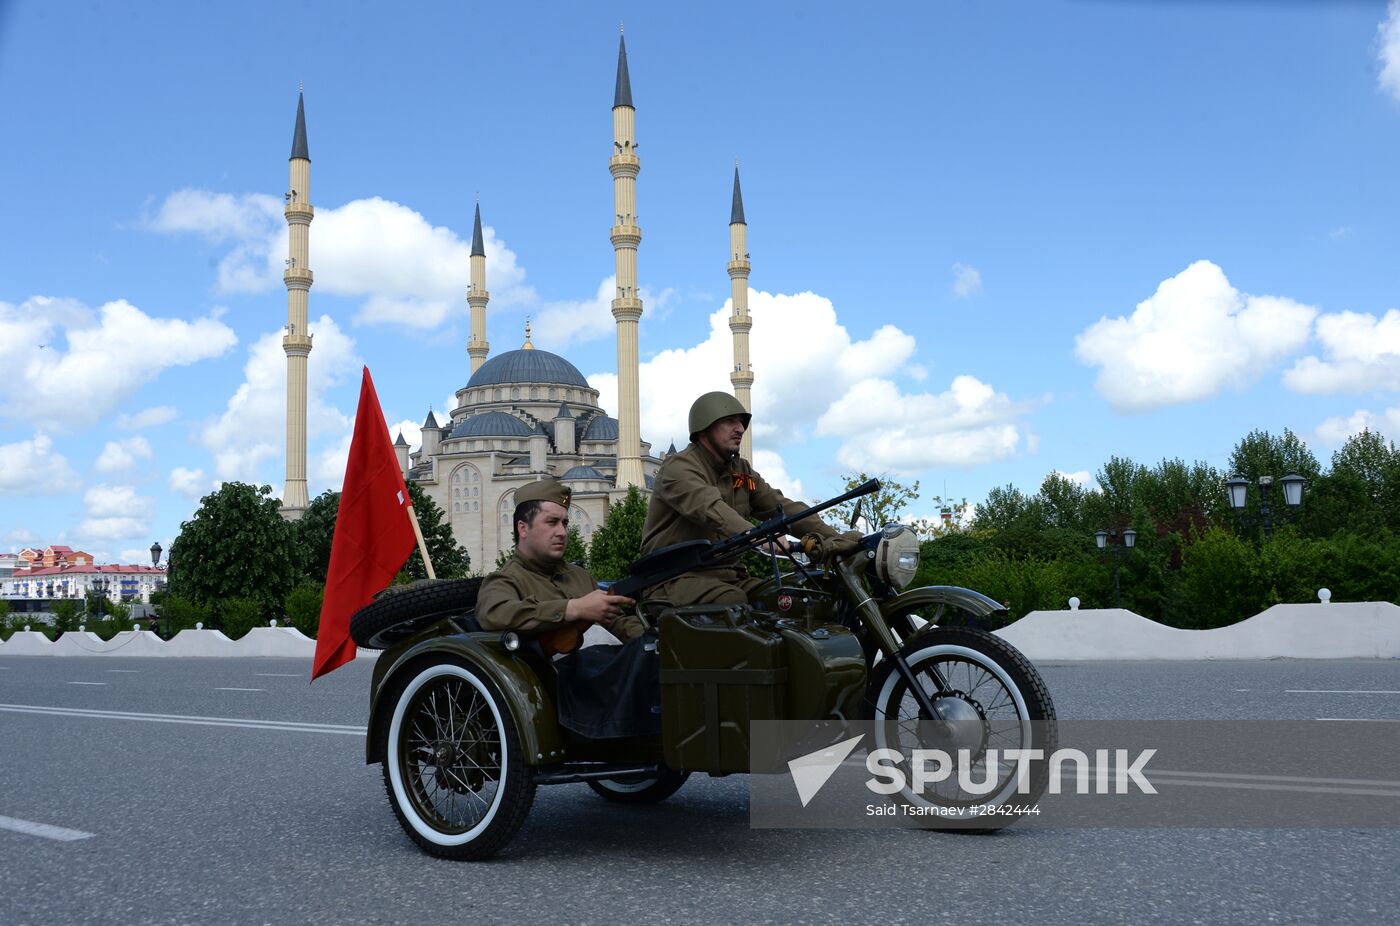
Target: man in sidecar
(708, 492)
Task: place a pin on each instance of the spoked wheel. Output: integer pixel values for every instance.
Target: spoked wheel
(988, 697)
(453, 766)
(641, 790)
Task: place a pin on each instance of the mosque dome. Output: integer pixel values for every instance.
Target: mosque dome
(491, 424)
(527, 365)
(600, 428)
(584, 472)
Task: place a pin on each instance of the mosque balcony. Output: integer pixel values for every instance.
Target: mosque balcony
(626, 235)
(627, 308)
(739, 268)
(477, 296)
(740, 322)
(741, 379)
(297, 344)
(625, 165)
(297, 278)
(299, 212)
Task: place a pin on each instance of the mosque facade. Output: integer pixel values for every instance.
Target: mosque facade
(523, 414)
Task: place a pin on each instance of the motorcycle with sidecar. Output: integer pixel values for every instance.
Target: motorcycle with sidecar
(465, 722)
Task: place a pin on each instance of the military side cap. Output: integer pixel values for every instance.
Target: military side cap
(544, 490)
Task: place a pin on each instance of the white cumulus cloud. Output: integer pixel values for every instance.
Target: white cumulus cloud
(774, 471)
(1361, 353)
(1388, 42)
(115, 513)
(252, 428)
(1194, 337)
(886, 429)
(32, 467)
(1334, 432)
(118, 455)
(109, 355)
(188, 482)
(408, 271)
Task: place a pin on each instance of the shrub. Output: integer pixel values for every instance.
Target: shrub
(304, 607)
(178, 614)
(237, 616)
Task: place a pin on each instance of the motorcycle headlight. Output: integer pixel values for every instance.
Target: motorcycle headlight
(897, 555)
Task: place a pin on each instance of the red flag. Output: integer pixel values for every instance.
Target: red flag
(373, 534)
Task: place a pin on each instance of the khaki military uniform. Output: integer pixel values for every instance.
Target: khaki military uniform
(520, 592)
(698, 497)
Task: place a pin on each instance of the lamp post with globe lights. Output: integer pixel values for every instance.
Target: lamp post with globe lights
(1129, 540)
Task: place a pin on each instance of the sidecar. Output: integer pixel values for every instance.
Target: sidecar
(465, 722)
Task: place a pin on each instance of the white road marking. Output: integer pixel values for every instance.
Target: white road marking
(1361, 719)
(240, 689)
(87, 683)
(123, 670)
(1337, 691)
(248, 722)
(280, 674)
(43, 829)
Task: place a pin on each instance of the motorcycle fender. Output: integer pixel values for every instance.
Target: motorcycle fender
(531, 704)
(975, 603)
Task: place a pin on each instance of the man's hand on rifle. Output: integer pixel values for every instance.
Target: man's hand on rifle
(596, 607)
(777, 545)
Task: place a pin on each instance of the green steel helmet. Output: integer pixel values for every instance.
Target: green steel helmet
(711, 407)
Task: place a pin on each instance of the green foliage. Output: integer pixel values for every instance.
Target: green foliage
(450, 559)
(179, 613)
(618, 542)
(1022, 583)
(65, 615)
(879, 508)
(314, 532)
(4, 609)
(304, 607)
(237, 545)
(119, 611)
(236, 616)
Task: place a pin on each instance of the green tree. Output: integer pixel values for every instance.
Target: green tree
(4, 609)
(237, 616)
(879, 508)
(450, 559)
(237, 545)
(575, 550)
(618, 542)
(314, 532)
(65, 615)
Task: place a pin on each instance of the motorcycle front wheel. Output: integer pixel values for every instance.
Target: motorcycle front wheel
(989, 699)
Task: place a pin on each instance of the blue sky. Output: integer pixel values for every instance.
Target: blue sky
(988, 241)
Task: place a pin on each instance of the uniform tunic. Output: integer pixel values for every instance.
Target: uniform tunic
(698, 497)
(520, 592)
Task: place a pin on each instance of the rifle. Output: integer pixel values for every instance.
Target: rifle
(679, 558)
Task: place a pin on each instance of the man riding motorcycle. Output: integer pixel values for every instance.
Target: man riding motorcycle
(708, 492)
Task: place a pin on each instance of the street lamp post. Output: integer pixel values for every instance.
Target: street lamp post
(1237, 489)
(155, 564)
(100, 585)
(1101, 538)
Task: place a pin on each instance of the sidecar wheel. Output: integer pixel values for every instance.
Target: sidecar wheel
(641, 790)
(995, 700)
(453, 767)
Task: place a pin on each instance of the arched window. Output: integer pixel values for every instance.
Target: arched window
(534, 392)
(514, 392)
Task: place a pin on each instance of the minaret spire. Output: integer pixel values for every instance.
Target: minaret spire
(739, 322)
(296, 343)
(477, 296)
(627, 307)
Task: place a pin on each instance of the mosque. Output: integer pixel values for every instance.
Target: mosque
(524, 414)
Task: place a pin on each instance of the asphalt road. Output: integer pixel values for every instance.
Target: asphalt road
(261, 810)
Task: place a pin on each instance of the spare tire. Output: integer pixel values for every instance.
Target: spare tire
(400, 611)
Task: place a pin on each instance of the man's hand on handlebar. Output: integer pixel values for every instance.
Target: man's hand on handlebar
(779, 545)
(819, 548)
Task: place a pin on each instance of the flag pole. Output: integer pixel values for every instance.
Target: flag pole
(422, 544)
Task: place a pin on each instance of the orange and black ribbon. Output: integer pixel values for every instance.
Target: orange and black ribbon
(744, 480)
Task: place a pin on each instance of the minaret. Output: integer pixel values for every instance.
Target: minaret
(740, 322)
(297, 341)
(627, 307)
(477, 297)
